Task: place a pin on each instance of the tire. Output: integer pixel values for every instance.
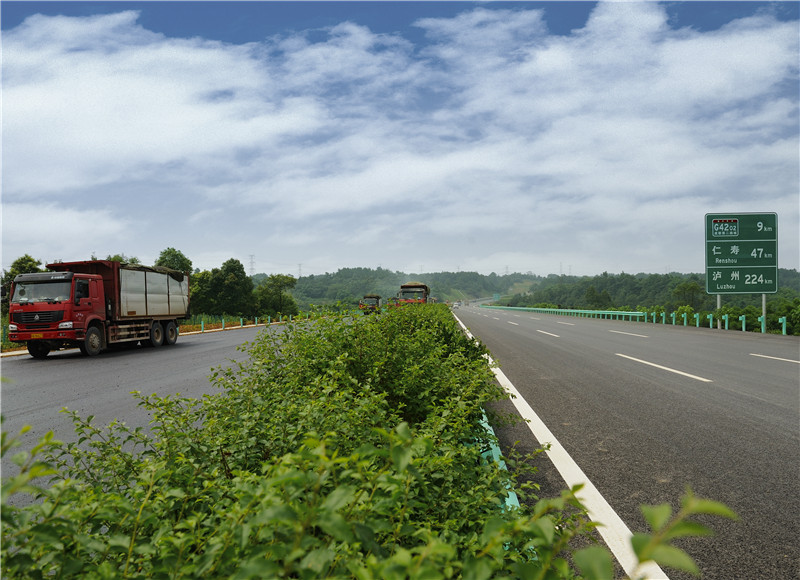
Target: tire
(93, 342)
(38, 349)
(170, 332)
(156, 334)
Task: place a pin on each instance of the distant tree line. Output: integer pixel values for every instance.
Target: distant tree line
(228, 290)
(663, 293)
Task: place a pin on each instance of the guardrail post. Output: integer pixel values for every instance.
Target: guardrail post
(763, 321)
(743, 320)
(223, 323)
(697, 320)
(685, 315)
(782, 320)
(673, 317)
(269, 319)
(725, 318)
(241, 322)
(203, 325)
(710, 318)
(663, 317)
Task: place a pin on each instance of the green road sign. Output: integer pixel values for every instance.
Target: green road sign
(742, 253)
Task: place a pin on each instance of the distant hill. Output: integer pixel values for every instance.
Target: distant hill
(348, 285)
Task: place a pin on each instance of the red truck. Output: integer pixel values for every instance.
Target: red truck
(413, 293)
(97, 303)
(370, 303)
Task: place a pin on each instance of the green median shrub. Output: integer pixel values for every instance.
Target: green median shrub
(341, 448)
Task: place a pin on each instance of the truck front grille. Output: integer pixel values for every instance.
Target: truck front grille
(43, 317)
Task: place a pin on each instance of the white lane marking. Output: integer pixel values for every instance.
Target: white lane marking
(775, 358)
(495, 317)
(514, 323)
(548, 333)
(629, 333)
(567, 323)
(677, 372)
(517, 316)
(534, 318)
(611, 528)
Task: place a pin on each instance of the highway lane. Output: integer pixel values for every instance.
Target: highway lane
(727, 427)
(34, 391)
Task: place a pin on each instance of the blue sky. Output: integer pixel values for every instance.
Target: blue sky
(303, 137)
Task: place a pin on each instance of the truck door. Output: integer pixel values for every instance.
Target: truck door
(88, 301)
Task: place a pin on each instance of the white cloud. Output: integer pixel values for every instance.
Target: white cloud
(594, 149)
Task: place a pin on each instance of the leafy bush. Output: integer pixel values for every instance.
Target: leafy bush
(343, 448)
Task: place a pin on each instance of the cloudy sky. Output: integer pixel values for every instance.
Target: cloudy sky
(304, 137)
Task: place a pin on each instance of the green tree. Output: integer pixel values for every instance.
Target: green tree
(175, 259)
(203, 295)
(271, 296)
(123, 258)
(22, 265)
(687, 292)
(235, 289)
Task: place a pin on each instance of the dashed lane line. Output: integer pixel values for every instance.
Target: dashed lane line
(548, 333)
(629, 333)
(663, 368)
(775, 358)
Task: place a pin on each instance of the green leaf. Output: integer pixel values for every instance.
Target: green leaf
(401, 457)
(544, 528)
(339, 497)
(639, 542)
(595, 563)
(477, 569)
(336, 526)
(715, 508)
(674, 558)
(683, 529)
(657, 515)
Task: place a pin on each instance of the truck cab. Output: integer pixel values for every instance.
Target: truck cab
(413, 293)
(370, 303)
(49, 310)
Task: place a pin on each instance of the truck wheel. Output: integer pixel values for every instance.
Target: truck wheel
(38, 349)
(170, 333)
(156, 334)
(93, 342)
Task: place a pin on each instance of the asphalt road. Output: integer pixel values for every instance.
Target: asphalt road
(34, 391)
(641, 433)
(729, 427)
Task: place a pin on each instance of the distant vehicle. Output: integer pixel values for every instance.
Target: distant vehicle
(413, 293)
(456, 304)
(370, 303)
(96, 303)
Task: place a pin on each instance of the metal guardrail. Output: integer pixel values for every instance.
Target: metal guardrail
(637, 316)
(608, 314)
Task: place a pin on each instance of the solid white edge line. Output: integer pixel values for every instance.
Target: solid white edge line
(611, 528)
(776, 358)
(677, 372)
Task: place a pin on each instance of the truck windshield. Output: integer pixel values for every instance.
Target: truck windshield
(412, 294)
(41, 292)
